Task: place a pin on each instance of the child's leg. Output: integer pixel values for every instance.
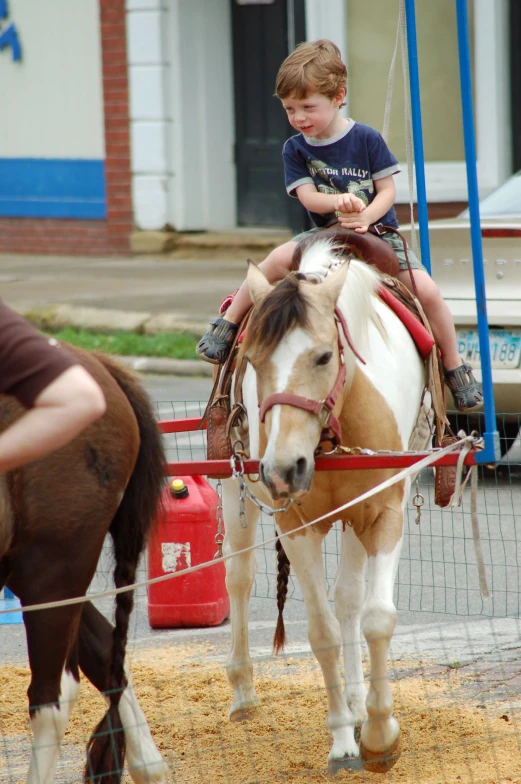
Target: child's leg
(438, 313)
(467, 394)
(275, 266)
(214, 345)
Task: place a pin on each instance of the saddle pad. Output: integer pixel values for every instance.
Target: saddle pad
(423, 339)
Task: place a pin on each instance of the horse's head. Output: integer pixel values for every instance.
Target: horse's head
(294, 347)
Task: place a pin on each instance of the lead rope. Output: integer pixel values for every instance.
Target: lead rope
(219, 536)
(472, 474)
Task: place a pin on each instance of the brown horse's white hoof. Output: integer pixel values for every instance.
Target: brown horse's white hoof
(244, 710)
(380, 761)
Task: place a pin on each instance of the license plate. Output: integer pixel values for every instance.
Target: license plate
(505, 347)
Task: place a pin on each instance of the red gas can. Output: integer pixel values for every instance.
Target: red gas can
(183, 537)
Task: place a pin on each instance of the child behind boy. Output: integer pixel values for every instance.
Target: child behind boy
(341, 171)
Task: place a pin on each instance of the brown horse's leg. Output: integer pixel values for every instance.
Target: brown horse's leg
(54, 685)
(95, 642)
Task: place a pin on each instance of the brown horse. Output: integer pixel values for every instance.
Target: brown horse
(54, 515)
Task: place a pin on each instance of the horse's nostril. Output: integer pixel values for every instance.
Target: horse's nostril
(300, 467)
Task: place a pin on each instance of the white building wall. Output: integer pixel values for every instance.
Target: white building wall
(52, 101)
(182, 116)
(149, 120)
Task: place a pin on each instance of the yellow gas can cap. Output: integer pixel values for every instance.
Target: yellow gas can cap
(178, 488)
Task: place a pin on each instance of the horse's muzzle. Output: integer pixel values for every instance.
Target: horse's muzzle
(289, 480)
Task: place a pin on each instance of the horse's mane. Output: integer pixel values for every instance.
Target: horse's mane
(286, 306)
(357, 297)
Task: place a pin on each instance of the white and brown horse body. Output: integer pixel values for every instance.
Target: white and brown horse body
(292, 348)
(54, 516)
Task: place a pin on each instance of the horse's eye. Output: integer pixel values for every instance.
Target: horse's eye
(325, 358)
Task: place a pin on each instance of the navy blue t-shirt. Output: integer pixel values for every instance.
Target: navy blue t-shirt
(346, 163)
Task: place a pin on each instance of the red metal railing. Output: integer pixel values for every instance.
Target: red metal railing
(322, 463)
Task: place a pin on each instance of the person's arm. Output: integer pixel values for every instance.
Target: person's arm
(59, 413)
(322, 203)
(381, 204)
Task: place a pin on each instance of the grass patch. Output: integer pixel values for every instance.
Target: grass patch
(175, 345)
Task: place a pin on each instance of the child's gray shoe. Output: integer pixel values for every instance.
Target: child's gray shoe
(216, 342)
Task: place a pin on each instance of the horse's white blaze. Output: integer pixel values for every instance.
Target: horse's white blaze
(48, 726)
(284, 358)
(145, 763)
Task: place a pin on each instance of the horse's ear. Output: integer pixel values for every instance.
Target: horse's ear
(258, 284)
(332, 284)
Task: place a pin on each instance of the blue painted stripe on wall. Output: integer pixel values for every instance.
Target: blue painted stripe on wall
(52, 188)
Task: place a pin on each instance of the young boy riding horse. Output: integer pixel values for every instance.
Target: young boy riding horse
(342, 172)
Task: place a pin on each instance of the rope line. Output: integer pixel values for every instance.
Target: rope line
(416, 468)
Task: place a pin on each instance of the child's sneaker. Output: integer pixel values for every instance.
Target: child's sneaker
(216, 342)
(464, 387)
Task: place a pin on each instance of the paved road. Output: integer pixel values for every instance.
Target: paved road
(190, 289)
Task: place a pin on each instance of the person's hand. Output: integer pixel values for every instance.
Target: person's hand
(356, 221)
(348, 202)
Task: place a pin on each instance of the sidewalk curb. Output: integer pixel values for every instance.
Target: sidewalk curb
(59, 316)
(167, 367)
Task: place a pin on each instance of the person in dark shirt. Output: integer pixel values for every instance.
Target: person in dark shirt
(342, 172)
(60, 397)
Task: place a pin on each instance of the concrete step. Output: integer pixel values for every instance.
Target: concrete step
(154, 242)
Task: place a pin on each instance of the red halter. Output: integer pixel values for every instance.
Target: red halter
(322, 409)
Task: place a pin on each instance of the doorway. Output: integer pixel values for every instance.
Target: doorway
(263, 33)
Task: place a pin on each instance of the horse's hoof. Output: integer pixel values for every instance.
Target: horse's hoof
(344, 763)
(244, 710)
(380, 761)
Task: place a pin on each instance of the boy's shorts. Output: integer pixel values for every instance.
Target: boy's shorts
(391, 238)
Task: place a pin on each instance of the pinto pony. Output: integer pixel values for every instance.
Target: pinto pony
(54, 515)
(297, 351)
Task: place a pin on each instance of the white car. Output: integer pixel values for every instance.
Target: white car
(451, 261)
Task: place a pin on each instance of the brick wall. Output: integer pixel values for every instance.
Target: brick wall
(92, 237)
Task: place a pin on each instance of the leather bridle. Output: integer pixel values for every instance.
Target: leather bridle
(322, 409)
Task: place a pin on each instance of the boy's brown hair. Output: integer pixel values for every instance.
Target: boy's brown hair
(313, 67)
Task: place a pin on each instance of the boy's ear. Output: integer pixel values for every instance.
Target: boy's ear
(341, 96)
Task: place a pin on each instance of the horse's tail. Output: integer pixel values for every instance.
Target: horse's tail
(283, 567)
(129, 530)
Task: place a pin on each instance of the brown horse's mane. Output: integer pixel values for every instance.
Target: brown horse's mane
(285, 307)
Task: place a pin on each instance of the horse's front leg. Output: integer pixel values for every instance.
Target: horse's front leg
(349, 598)
(380, 736)
(304, 551)
(240, 575)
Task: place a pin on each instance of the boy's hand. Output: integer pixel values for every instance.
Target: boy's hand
(357, 221)
(348, 202)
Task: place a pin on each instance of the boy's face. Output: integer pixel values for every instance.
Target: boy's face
(316, 115)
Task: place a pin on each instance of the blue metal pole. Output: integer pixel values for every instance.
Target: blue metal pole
(491, 453)
(417, 133)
